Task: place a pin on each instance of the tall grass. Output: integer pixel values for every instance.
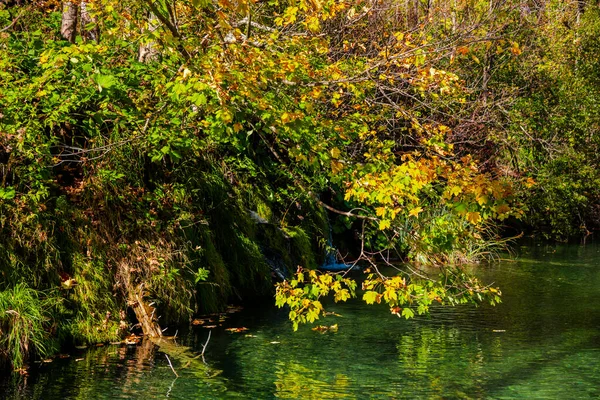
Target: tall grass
(24, 318)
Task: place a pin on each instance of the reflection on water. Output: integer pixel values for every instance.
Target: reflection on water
(541, 342)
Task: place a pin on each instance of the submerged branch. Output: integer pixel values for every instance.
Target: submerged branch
(171, 365)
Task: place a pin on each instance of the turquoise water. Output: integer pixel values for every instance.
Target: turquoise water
(542, 342)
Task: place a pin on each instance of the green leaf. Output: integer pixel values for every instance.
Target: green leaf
(408, 313)
(105, 81)
(7, 193)
(201, 275)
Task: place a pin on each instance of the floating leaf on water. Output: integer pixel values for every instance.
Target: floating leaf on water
(320, 328)
(237, 330)
(328, 313)
(323, 329)
(132, 339)
(234, 309)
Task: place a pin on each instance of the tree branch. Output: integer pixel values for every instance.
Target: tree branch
(170, 26)
(14, 21)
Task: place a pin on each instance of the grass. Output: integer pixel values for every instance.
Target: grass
(24, 322)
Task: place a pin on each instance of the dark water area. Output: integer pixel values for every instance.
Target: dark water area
(542, 342)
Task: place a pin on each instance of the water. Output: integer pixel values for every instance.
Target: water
(542, 342)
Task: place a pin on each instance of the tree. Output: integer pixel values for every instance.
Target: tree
(147, 169)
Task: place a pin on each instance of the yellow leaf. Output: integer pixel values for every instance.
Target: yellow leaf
(473, 217)
(502, 209)
(455, 190)
(336, 166)
(384, 223)
(482, 200)
(529, 182)
(390, 294)
(335, 152)
(370, 297)
(415, 211)
(380, 211)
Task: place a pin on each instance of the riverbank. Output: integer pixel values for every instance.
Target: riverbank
(541, 342)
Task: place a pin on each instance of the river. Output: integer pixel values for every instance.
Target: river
(542, 342)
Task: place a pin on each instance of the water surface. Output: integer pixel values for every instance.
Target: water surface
(542, 342)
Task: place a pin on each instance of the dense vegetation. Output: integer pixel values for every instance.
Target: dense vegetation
(159, 158)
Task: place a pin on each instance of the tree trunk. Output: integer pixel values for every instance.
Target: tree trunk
(148, 51)
(68, 28)
(89, 27)
(144, 314)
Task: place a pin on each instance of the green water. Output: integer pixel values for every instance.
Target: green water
(542, 342)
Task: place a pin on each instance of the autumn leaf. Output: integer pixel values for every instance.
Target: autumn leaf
(415, 211)
(320, 328)
(502, 209)
(236, 330)
(529, 182)
(336, 167)
(473, 217)
(384, 224)
(370, 297)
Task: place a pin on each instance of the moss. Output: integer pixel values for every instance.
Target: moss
(302, 249)
(248, 267)
(263, 210)
(211, 295)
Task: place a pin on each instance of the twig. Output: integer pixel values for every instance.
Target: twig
(205, 344)
(346, 213)
(171, 365)
(13, 22)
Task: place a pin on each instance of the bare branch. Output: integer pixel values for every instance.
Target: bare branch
(14, 21)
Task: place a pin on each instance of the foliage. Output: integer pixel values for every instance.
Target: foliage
(178, 153)
(406, 294)
(302, 293)
(534, 98)
(561, 145)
